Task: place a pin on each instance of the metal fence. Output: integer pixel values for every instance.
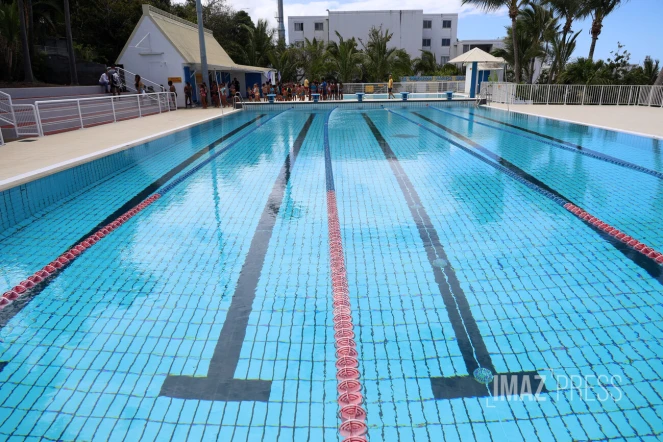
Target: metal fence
(6, 110)
(27, 123)
(63, 115)
(575, 94)
(421, 87)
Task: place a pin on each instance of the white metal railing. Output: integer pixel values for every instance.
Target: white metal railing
(62, 115)
(2, 139)
(27, 123)
(129, 77)
(6, 110)
(573, 94)
(423, 87)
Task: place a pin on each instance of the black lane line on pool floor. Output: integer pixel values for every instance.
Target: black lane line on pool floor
(11, 310)
(469, 339)
(220, 384)
(647, 264)
(559, 144)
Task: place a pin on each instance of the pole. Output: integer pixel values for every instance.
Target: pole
(281, 29)
(201, 40)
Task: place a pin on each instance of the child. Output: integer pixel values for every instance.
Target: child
(203, 95)
(171, 89)
(187, 95)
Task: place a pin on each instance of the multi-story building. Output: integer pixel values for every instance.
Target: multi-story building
(412, 30)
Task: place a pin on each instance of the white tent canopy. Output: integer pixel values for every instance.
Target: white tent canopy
(477, 55)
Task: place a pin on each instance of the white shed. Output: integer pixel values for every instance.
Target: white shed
(165, 47)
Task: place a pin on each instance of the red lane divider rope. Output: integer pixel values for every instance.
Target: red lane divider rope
(55, 266)
(353, 426)
(623, 237)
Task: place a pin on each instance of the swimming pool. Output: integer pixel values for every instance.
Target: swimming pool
(217, 310)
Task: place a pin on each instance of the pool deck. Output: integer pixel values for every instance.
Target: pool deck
(22, 162)
(638, 120)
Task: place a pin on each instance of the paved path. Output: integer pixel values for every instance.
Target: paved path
(22, 161)
(641, 120)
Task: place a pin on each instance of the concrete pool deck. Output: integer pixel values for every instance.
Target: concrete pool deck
(32, 158)
(638, 120)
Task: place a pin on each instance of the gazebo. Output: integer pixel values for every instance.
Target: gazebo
(473, 58)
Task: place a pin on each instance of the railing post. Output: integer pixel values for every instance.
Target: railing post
(113, 107)
(601, 96)
(40, 129)
(651, 92)
(584, 91)
(138, 101)
(630, 94)
(566, 94)
(80, 114)
(548, 95)
(159, 100)
(619, 94)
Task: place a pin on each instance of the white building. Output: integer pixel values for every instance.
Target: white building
(165, 47)
(412, 30)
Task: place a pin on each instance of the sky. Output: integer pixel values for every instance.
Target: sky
(636, 24)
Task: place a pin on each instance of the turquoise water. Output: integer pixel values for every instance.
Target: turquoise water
(208, 316)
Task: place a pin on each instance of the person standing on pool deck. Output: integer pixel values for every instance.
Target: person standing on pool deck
(306, 90)
(390, 87)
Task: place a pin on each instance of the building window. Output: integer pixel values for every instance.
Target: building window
(428, 24)
(425, 42)
(444, 60)
(466, 48)
(446, 24)
(319, 26)
(446, 42)
(299, 26)
(299, 43)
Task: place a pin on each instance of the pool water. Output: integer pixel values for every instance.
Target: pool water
(482, 309)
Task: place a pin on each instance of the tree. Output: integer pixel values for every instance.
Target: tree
(561, 51)
(539, 25)
(514, 7)
(70, 44)
(569, 10)
(260, 43)
(599, 10)
(284, 60)
(25, 45)
(344, 58)
(380, 61)
(586, 71)
(10, 36)
(426, 64)
(659, 78)
(312, 59)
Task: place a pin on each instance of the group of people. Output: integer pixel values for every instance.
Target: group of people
(110, 81)
(218, 93)
(291, 91)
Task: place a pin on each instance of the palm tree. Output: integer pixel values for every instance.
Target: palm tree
(259, 44)
(25, 44)
(561, 51)
(539, 25)
(426, 64)
(599, 10)
(380, 61)
(284, 60)
(569, 10)
(514, 7)
(312, 59)
(344, 58)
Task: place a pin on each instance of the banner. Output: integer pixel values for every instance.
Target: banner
(434, 78)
